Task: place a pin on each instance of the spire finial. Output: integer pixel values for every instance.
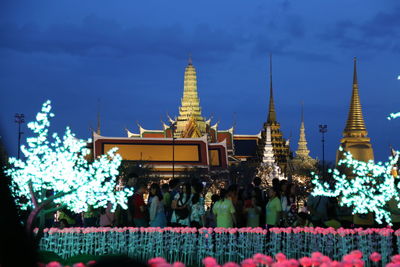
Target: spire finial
(190, 59)
(98, 131)
(355, 71)
(271, 111)
(302, 111)
(270, 72)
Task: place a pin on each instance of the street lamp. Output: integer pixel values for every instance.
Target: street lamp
(323, 128)
(19, 118)
(173, 128)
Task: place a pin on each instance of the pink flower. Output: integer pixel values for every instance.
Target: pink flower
(209, 262)
(316, 254)
(79, 264)
(280, 257)
(357, 254)
(347, 263)
(375, 257)
(335, 264)
(231, 264)
(348, 257)
(358, 263)
(396, 258)
(263, 259)
(316, 261)
(248, 263)
(325, 259)
(305, 261)
(53, 264)
(292, 263)
(178, 264)
(90, 263)
(155, 262)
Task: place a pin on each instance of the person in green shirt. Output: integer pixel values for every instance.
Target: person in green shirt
(224, 211)
(273, 209)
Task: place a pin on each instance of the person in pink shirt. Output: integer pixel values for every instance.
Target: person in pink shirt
(107, 217)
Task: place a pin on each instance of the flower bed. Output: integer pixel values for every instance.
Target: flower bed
(191, 245)
(354, 258)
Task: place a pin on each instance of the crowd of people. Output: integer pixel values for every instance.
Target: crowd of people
(182, 203)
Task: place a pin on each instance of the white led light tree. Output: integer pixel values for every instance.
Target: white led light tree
(56, 173)
(368, 189)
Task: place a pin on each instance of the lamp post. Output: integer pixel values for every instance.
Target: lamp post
(19, 118)
(173, 128)
(323, 128)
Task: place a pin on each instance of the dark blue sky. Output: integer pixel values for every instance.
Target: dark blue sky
(131, 55)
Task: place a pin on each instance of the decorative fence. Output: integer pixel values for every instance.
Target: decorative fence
(191, 245)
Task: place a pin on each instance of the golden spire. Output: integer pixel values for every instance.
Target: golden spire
(271, 110)
(355, 126)
(190, 102)
(302, 150)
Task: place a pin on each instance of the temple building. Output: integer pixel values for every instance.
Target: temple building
(190, 141)
(355, 139)
(186, 142)
(280, 147)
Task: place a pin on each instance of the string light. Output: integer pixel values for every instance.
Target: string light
(368, 190)
(60, 166)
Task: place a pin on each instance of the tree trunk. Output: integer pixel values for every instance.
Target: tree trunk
(31, 219)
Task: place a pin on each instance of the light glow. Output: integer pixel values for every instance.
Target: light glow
(369, 188)
(60, 166)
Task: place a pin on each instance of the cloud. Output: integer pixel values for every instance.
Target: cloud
(95, 36)
(380, 32)
(295, 26)
(287, 47)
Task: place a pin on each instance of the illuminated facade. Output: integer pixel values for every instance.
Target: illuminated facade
(188, 141)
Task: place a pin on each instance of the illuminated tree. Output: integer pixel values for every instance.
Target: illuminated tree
(56, 173)
(368, 189)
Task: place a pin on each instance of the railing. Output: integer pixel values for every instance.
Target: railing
(191, 245)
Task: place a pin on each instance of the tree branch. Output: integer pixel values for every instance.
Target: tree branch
(33, 196)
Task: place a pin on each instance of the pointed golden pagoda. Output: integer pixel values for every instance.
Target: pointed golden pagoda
(302, 160)
(302, 149)
(280, 147)
(190, 110)
(355, 139)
